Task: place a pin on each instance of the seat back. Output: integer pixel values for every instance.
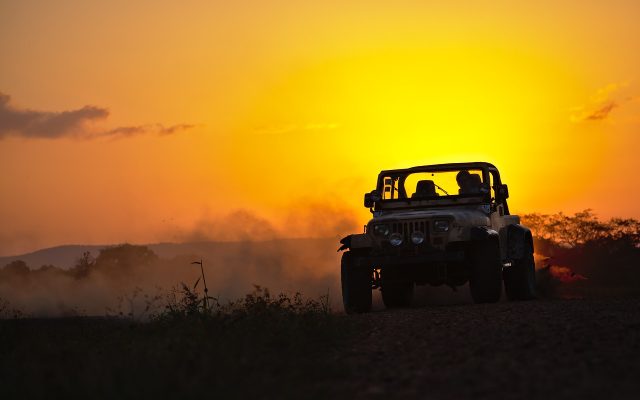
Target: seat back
(425, 188)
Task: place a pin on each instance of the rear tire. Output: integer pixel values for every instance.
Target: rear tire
(397, 294)
(356, 285)
(486, 271)
(520, 278)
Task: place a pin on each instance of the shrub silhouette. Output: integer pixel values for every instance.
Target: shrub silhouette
(17, 268)
(606, 252)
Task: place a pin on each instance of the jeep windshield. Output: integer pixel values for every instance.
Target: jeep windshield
(437, 186)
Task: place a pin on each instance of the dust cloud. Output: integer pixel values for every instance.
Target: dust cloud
(238, 251)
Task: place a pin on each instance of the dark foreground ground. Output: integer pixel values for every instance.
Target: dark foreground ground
(539, 349)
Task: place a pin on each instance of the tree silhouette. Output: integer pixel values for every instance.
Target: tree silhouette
(571, 231)
(124, 258)
(84, 265)
(16, 268)
(606, 252)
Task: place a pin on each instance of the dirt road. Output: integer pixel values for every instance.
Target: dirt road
(528, 350)
(537, 349)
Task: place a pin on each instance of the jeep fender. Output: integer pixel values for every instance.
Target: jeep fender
(482, 233)
(519, 241)
(355, 242)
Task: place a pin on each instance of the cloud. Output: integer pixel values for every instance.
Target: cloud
(34, 124)
(601, 103)
(44, 124)
(158, 129)
(602, 112)
(594, 113)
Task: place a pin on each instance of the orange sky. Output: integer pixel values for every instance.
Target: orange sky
(199, 108)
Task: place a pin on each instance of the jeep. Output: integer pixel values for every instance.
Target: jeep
(445, 224)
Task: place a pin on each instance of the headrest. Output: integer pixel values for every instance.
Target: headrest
(425, 188)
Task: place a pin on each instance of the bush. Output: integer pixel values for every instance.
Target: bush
(607, 253)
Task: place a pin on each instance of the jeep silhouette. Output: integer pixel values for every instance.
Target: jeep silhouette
(445, 224)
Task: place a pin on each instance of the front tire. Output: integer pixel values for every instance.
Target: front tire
(520, 278)
(356, 285)
(486, 271)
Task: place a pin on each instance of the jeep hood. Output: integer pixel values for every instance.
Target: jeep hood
(467, 216)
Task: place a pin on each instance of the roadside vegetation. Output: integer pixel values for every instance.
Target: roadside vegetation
(597, 257)
(252, 347)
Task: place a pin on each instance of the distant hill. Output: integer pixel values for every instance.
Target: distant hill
(61, 256)
(65, 256)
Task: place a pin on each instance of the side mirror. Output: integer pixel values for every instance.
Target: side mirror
(370, 198)
(503, 192)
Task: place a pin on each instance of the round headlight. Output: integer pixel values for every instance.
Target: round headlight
(417, 237)
(395, 239)
(381, 230)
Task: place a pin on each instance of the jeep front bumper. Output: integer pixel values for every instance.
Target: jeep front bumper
(391, 260)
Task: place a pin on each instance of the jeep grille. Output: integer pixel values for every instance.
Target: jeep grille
(406, 228)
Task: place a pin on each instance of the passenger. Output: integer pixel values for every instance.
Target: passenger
(469, 183)
(463, 181)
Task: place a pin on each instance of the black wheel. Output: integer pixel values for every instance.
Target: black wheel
(356, 285)
(397, 294)
(486, 271)
(520, 278)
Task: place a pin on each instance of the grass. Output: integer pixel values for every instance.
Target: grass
(260, 346)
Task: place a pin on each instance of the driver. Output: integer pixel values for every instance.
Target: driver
(469, 183)
(464, 181)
